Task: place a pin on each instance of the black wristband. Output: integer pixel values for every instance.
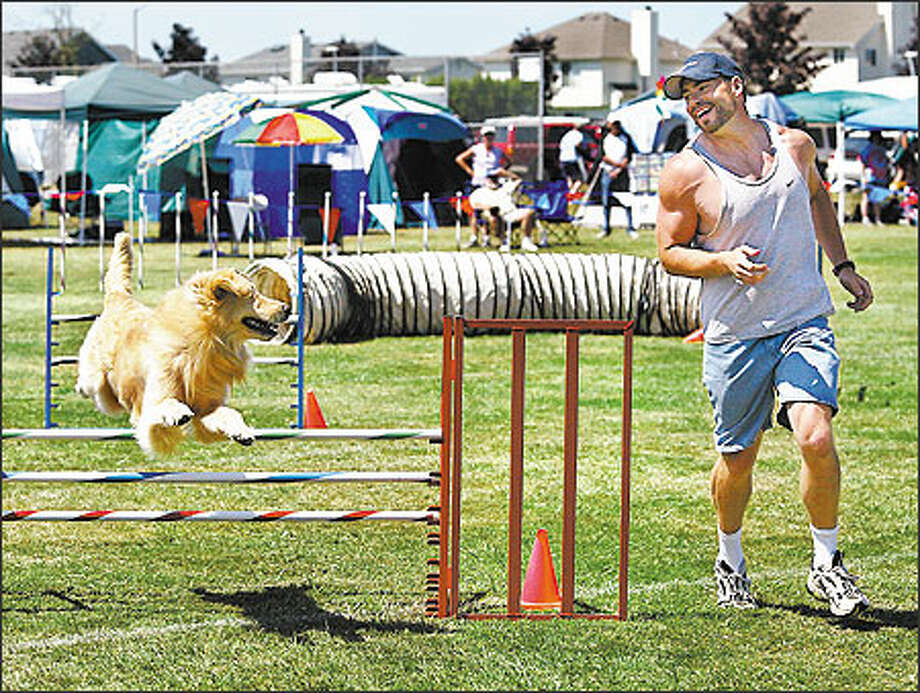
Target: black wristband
(840, 266)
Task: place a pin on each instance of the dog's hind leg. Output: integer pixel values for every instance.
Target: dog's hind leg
(223, 423)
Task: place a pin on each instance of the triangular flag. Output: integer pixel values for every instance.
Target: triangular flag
(385, 214)
(334, 213)
(419, 208)
(239, 212)
(199, 209)
(464, 205)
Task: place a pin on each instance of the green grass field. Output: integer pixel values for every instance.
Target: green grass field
(319, 606)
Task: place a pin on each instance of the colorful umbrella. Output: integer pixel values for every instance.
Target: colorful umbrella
(290, 129)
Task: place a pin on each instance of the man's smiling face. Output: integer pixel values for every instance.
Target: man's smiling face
(711, 103)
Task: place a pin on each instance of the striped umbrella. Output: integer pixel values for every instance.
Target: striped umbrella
(192, 122)
(290, 129)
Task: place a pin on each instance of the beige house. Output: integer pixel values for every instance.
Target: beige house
(861, 41)
(594, 61)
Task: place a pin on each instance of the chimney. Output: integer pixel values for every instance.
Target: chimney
(300, 48)
(643, 41)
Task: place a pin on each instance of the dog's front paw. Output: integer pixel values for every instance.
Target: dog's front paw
(174, 413)
(247, 437)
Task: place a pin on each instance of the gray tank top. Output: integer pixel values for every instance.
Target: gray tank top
(773, 214)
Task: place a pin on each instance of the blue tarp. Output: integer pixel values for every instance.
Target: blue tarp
(431, 127)
(897, 116)
(265, 170)
(15, 208)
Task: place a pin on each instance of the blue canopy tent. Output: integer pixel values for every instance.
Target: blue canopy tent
(265, 170)
(835, 107)
(901, 115)
(832, 106)
(416, 153)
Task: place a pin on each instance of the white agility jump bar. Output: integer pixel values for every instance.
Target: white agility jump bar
(431, 434)
(222, 477)
(217, 515)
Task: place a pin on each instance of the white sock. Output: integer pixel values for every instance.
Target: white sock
(825, 545)
(730, 548)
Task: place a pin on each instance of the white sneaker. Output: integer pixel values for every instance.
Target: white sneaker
(733, 588)
(505, 247)
(632, 233)
(528, 245)
(836, 586)
(471, 243)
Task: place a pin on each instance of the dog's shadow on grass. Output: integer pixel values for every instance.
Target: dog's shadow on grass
(870, 620)
(291, 611)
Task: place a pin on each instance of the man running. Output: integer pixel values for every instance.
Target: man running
(742, 207)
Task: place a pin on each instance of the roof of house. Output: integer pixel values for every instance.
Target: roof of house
(125, 54)
(827, 24)
(279, 53)
(15, 41)
(593, 36)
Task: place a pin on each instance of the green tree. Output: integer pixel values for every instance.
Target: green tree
(185, 48)
(59, 46)
(528, 43)
(766, 47)
(483, 97)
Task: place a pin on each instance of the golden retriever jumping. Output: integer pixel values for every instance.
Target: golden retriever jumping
(174, 364)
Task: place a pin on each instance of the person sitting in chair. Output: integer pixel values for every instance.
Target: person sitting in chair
(495, 201)
(486, 159)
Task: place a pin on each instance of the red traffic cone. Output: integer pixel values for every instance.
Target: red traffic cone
(541, 591)
(313, 416)
(695, 336)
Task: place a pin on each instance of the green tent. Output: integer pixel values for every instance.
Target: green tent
(192, 83)
(113, 91)
(833, 106)
(122, 105)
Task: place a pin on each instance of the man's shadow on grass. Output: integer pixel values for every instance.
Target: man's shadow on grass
(291, 611)
(870, 620)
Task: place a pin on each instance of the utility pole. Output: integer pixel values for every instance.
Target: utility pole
(540, 113)
(136, 57)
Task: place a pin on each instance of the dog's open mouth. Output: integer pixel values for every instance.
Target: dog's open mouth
(261, 326)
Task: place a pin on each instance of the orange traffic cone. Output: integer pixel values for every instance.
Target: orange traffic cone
(313, 416)
(695, 336)
(541, 591)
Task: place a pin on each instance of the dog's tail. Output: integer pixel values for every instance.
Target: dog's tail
(118, 276)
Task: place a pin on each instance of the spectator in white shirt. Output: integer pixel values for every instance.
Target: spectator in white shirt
(571, 159)
(617, 153)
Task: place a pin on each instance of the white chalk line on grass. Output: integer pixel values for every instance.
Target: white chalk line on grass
(104, 634)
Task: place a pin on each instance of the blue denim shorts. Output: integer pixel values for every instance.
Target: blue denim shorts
(741, 377)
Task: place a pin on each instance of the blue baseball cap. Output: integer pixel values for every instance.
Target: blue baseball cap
(700, 67)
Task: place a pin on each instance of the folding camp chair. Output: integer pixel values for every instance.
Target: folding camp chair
(555, 208)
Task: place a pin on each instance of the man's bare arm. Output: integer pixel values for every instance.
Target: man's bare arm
(827, 230)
